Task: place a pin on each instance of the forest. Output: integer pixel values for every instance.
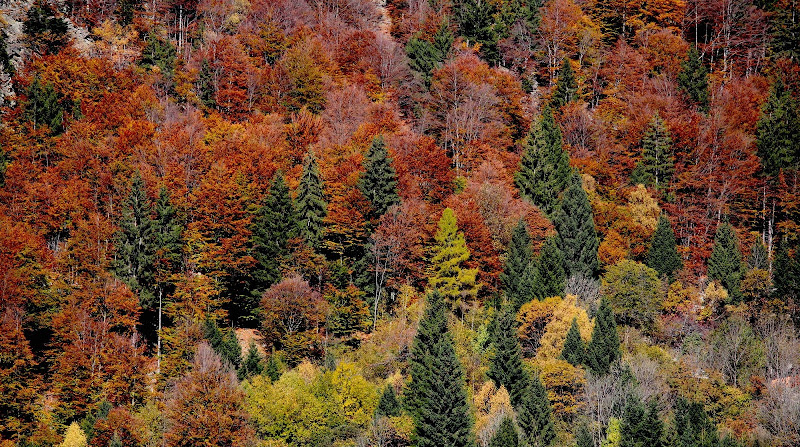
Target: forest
(390, 223)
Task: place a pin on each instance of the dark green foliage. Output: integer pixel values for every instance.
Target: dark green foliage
(583, 438)
(477, 24)
(388, 405)
(550, 276)
(522, 12)
(785, 27)
(544, 170)
(425, 56)
(224, 343)
(603, 349)
(159, 53)
(5, 58)
(253, 363)
(778, 131)
(576, 232)
(379, 181)
(167, 231)
(574, 348)
(506, 435)
(46, 33)
(436, 398)
(640, 428)
(273, 368)
(506, 368)
(786, 269)
(88, 422)
(693, 79)
(693, 427)
(725, 263)
(126, 10)
(535, 415)
(311, 205)
(518, 261)
(566, 87)
(657, 165)
(662, 255)
(134, 243)
(206, 90)
(42, 107)
(273, 226)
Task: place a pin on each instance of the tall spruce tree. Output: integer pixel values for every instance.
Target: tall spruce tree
(223, 342)
(518, 260)
(311, 205)
(388, 405)
(379, 181)
(167, 231)
(506, 435)
(693, 427)
(535, 414)
(576, 231)
(603, 349)
(693, 79)
(641, 428)
(45, 32)
(786, 269)
(544, 171)
(425, 56)
(253, 363)
(725, 263)
(583, 438)
(435, 397)
(476, 22)
(42, 107)
(506, 368)
(134, 243)
(273, 226)
(662, 255)
(448, 275)
(574, 349)
(657, 165)
(550, 276)
(566, 86)
(778, 131)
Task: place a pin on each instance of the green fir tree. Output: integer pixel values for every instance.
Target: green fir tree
(388, 405)
(657, 165)
(425, 56)
(566, 86)
(311, 205)
(45, 33)
(506, 367)
(134, 242)
(662, 255)
(583, 438)
(574, 349)
(379, 181)
(158, 52)
(603, 349)
(506, 435)
(786, 268)
(693, 79)
(273, 368)
(273, 226)
(42, 107)
(551, 277)
(253, 363)
(725, 263)
(693, 427)
(519, 257)
(476, 22)
(576, 231)
(641, 428)
(535, 414)
(778, 131)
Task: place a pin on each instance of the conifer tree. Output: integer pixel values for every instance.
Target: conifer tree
(583, 438)
(273, 226)
(576, 232)
(657, 165)
(159, 53)
(45, 33)
(436, 398)
(544, 171)
(566, 86)
(134, 243)
(205, 85)
(535, 414)
(640, 428)
(448, 276)
(786, 269)
(74, 437)
(662, 255)
(168, 260)
(778, 131)
(603, 349)
(425, 56)
(693, 79)
(725, 263)
(522, 12)
(693, 427)
(574, 348)
(518, 260)
(506, 435)
(506, 368)
(42, 107)
(550, 276)
(115, 441)
(476, 22)
(388, 404)
(273, 369)
(252, 365)
(379, 181)
(224, 343)
(311, 205)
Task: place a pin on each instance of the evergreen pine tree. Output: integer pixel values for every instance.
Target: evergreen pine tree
(574, 348)
(693, 427)
(159, 53)
(447, 275)
(662, 255)
(522, 12)
(311, 205)
(379, 181)
(640, 428)
(566, 86)
(45, 33)
(535, 415)
(273, 226)
(544, 171)
(436, 397)
(425, 56)
(693, 79)
(388, 404)
(603, 349)
(550, 276)
(725, 263)
(518, 260)
(506, 368)
(273, 368)
(583, 438)
(786, 269)
(506, 435)
(206, 90)
(476, 22)
(657, 165)
(223, 342)
(252, 365)
(134, 242)
(42, 107)
(778, 131)
(576, 232)
(167, 262)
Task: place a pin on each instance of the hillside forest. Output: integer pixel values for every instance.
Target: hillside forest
(429, 223)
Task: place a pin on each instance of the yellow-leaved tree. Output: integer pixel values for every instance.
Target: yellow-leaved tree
(74, 437)
(456, 283)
